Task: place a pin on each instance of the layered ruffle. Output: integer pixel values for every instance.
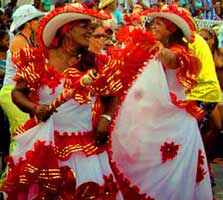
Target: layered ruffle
(39, 172)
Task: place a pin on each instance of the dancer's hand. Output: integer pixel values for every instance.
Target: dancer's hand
(102, 131)
(167, 57)
(43, 112)
(158, 49)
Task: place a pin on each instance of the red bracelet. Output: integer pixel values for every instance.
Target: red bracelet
(34, 108)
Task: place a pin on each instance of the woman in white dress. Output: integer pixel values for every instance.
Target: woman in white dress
(156, 148)
(57, 155)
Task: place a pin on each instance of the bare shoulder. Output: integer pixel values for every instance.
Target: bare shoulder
(18, 43)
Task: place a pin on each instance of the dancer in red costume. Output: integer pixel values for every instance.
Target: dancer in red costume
(56, 154)
(156, 147)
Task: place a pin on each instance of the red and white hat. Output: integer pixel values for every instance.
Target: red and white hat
(60, 16)
(180, 17)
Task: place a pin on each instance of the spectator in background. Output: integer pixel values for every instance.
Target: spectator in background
(207, 92)
(187, 4)
(209, 11)
(4, 45)
(217, 7)
(198, 8)
(25, 22)
(36, 4)
(4, 141)
(211, 38)
(110, 6)
(59, 3)
(45, 5)
(4, 126)
(4, 20)
(218, 29)
(10, 8)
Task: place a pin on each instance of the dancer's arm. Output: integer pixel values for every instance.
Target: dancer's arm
(20, 98)
(102, 131)
(165, 55)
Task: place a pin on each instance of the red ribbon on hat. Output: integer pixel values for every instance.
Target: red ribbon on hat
(61, 32)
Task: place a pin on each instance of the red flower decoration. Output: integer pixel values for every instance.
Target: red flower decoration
(169, 151)
(110, 190)
(200, 167)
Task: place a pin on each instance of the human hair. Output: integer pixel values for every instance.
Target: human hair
(3, 33)
(177, 38)
(19, 29)
(212, 35)
(3, 46)
(87, 60)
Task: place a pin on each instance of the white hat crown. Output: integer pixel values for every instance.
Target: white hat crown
(24, 14)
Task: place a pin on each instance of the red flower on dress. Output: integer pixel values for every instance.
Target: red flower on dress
(110, 190)
(169, 151)
(200, 167)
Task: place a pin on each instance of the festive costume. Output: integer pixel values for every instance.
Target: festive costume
(59, 158)
(156, 148)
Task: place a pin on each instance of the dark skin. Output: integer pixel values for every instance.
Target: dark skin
(164, 53)
(43, 112)
(102, 130)
(20, 98)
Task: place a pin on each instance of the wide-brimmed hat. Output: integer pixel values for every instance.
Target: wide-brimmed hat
(104, 3)
(176, 15)
(24, 14)
(60, 16)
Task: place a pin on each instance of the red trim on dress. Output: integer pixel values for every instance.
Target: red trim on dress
(40, 169)
(68, 143)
